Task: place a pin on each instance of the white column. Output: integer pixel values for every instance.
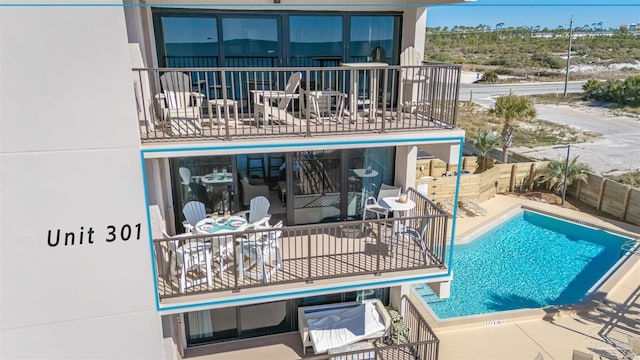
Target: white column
(405, 168)
(70, 160)
(414, 28)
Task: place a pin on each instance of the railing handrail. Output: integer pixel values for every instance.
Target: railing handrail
(293, 68)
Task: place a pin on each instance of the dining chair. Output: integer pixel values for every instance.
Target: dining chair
(189, 258)
(185, 180)
(258, 213)
(222, 252)
(193, 212)
(261, 248)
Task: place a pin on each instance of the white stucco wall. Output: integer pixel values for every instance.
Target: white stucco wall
(70, 161)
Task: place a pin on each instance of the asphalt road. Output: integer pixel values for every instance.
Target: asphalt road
(616, 151)
(484, 94)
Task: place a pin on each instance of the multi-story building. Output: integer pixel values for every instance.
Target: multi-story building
(115, 117)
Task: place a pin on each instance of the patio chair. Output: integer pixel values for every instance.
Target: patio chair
(222, 250)
(193, 257)
(417, 234)
(261, 250)
(410, 76)
(258, 213)
(264, 101)
(472, 207)
(376, 206)
(180, 106)
(193, 212)
(185, 180)
(448, 207)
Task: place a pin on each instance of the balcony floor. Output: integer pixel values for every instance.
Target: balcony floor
(247, 127)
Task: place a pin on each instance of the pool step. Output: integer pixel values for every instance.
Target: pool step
(428, 295)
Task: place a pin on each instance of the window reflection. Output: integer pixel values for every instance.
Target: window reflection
(371, 38)
(315, 40)
(250, 41)
(190, 42)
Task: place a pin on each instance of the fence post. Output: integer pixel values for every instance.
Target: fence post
(532, 174)
(512, 181)
(431, 165)
(625, 203)
(578, 190)
(600, 194)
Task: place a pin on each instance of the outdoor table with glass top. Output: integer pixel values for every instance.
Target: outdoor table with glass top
(221, 225)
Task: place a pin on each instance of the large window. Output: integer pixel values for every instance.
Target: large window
(193, 38)
(372, 38)
(214, 325)
(315, 40)
(189, 42)
(250, 42)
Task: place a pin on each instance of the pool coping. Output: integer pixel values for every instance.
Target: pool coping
(595, 296)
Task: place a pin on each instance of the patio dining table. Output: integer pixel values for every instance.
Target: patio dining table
(221, 225)
(372, 69)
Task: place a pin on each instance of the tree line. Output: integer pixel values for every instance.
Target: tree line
(518, 47)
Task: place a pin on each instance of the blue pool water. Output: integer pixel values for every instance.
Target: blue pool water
(529, 261)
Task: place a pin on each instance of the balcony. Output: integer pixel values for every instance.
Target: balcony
(421, 343)
(351, 251)
(210, 104)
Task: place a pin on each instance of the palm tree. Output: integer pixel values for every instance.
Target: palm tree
(556, 170)
(485, 142)
(512, 108)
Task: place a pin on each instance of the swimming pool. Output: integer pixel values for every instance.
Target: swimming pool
(529, 261)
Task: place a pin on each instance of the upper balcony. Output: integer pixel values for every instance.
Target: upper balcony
(211, 104)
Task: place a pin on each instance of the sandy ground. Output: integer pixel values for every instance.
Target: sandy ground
(616, 151)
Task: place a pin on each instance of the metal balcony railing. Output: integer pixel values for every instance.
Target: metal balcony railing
(247, 259)
(211, 103)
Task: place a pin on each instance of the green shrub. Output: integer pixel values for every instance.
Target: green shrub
(490, 77)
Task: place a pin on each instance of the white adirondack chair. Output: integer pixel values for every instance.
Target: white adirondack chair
(193, 212)
(189, 256)
(412, 79)
(181, 107)
(258, 213)
(264, 100)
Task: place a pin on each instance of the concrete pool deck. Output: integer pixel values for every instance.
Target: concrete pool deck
(600, 331)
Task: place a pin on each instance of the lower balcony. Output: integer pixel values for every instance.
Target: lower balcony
(409, 337)
(196, 267)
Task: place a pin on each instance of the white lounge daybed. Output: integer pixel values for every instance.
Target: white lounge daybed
(330, 326)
